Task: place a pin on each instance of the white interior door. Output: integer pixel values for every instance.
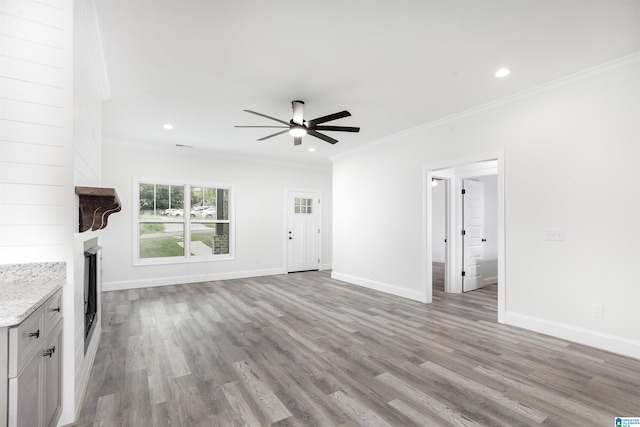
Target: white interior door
(303, 231)
(473, 235)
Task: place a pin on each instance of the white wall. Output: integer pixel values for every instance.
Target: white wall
(569, 150)
(259, 193)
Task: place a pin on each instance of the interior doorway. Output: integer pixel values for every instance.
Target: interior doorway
(477, 253)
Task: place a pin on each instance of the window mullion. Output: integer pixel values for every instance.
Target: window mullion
(187, 221)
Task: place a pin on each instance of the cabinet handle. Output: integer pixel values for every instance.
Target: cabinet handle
(35, 334)
(56, 309)
(50, 351)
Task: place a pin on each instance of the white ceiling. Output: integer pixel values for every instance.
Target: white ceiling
(393, 64)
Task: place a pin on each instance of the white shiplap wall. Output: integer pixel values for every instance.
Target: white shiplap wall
(38, 210)
(90, 88)
(36, 165)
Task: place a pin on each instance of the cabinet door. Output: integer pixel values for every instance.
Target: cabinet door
(53, 376)
(26, 394)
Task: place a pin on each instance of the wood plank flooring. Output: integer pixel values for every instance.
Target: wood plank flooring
(305, 350)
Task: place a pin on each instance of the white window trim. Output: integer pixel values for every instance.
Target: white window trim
(187, 258)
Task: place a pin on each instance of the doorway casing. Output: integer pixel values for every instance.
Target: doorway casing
(432, 171)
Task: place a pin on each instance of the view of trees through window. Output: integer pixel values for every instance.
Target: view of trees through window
(163, 221)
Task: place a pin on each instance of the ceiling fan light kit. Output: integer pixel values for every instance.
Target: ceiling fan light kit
(298, 127)
(297, 131)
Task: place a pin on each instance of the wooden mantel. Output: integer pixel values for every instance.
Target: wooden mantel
(96, 204)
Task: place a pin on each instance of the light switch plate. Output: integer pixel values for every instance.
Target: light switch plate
(556, 234)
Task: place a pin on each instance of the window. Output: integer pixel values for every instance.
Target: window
(303, 206)
(209, 221)
(182, 222)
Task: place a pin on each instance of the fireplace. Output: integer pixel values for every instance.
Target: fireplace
(92, 261)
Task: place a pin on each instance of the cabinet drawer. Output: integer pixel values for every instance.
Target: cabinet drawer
(24, 340)
(52, 312)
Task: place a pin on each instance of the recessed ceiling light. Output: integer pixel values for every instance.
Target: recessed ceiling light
(168, 126)
(502, 72)
(312, 149)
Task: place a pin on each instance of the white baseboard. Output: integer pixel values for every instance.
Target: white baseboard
(490, 280)
(178, 280)
(379, 286)
(325, 267)
(588, 337)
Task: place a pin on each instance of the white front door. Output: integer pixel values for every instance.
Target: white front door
(473, 235)
(303, 231)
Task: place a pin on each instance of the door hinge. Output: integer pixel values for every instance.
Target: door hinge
(318, 201)
(318, 260)
(464, 191)
(463, 233)
(318, 231)
(463, 273)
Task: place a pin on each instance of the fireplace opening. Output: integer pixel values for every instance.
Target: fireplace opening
(91, 273)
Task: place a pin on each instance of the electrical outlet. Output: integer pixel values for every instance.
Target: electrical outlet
(554, 234)
(597, 310)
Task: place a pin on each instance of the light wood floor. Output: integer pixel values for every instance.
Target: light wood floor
(305, 350)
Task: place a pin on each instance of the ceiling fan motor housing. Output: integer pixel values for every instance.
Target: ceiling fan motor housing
(298, 113)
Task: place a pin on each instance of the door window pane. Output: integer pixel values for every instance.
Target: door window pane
(303, 206)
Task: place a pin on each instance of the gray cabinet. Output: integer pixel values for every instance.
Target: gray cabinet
(35, 367)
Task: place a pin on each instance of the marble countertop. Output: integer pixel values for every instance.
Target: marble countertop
(19, 300)
(24, 287)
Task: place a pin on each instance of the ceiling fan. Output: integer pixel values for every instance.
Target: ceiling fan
(298, 127)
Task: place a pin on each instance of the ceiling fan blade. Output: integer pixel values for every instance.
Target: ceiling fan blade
(328, 118)
(297, 140)
(338, 128)
(321, 136)
(275, 134)
(267, 117)
(279, 127)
